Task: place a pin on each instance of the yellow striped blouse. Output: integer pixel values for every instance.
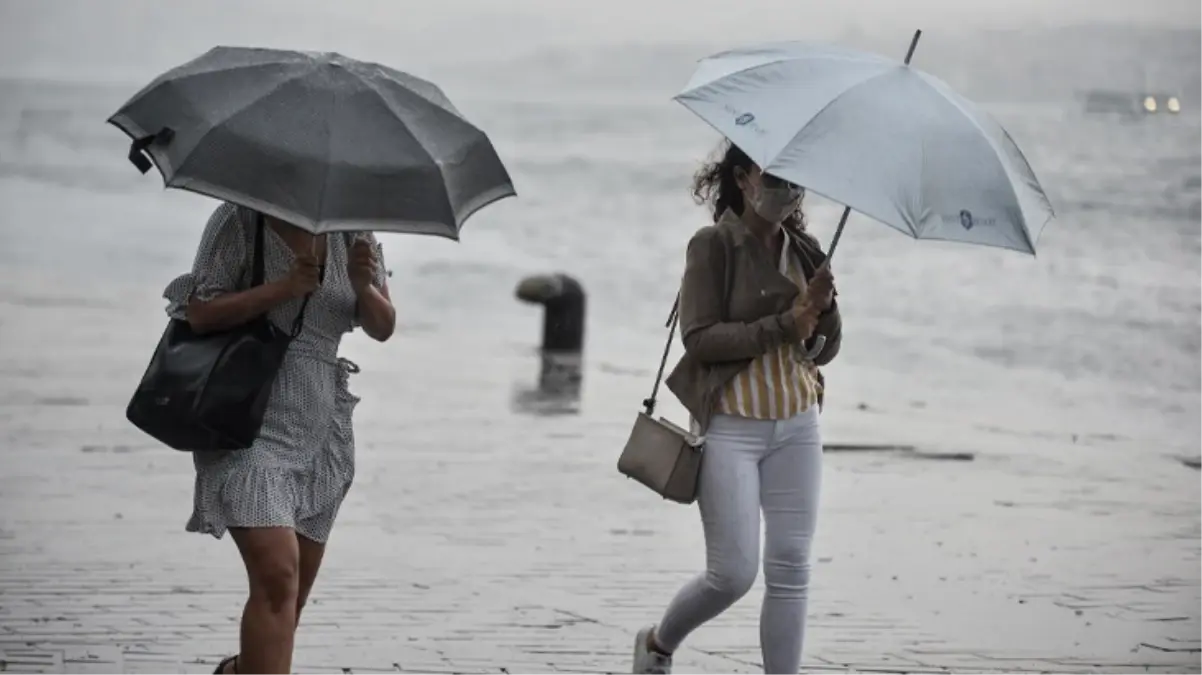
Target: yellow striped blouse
(781, 383)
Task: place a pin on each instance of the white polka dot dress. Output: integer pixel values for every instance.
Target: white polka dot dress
(302, 464)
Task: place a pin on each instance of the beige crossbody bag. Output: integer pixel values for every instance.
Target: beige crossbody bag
(660, 454)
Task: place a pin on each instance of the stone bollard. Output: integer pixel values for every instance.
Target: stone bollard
(560, 372)
(562, 298)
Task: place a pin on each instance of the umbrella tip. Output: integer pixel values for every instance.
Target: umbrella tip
(913, 45)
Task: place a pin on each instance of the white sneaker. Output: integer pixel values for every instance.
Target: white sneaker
(647, 660)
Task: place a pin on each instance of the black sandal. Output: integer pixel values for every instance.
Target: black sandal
(229, 660)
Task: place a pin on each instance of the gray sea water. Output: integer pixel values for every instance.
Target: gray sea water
(1097, 337)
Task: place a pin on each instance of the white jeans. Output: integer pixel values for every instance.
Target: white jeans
(748, 465)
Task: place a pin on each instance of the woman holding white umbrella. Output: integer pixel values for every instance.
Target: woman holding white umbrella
(878, 136)
(756, 290)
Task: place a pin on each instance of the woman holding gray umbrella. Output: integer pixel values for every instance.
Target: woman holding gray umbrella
(279, 498)
(300, 146)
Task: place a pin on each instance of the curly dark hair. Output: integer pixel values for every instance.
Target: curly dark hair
(715, 185)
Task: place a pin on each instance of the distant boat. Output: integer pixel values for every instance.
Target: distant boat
(1130, 104)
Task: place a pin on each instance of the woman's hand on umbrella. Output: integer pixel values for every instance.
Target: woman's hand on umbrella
(304, 277)
(820, 291)
(819, 295)
(361, 266)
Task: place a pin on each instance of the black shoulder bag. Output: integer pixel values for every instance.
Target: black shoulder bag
(208, 393)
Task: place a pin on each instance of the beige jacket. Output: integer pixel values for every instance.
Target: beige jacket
(734, 306)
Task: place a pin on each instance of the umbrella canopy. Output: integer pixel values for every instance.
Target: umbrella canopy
(321, 141)
(877, 135)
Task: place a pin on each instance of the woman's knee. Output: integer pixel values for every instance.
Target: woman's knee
(732, 581)
(787, 570)
(277, 581)
(272, 566)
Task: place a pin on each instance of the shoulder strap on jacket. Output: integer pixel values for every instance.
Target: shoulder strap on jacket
(674, 321)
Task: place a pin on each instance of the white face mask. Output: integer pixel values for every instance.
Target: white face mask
(775, 203)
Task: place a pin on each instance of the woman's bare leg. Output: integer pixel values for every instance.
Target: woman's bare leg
(311, 554)
(272, 559)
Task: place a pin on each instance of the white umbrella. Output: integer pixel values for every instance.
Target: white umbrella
(876, 135)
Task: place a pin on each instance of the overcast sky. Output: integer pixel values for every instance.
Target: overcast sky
(123, 40)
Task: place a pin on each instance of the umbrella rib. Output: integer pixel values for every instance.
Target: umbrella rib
(782, 59)
(168, 79)
(216, 69)
(997, 152)
(1046, 200)
(400, 78)
(982, 244)
(216, 123)
(740, 71)
(1026, 163)
(437, 164)
(331, 118)
(831, 102)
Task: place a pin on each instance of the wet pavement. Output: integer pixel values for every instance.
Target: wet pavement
(475, 540)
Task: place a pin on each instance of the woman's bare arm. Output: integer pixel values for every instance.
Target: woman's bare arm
(373, 305)
(377, 316)
(234, 309)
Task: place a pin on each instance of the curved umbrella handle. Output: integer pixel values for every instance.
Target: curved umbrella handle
(819, 343)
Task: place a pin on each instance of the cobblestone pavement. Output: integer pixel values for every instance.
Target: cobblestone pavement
(476, 540)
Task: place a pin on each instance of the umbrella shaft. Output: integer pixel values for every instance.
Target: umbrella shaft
(830, 253)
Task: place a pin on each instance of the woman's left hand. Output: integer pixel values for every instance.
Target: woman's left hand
(361, 266)
(821, 288)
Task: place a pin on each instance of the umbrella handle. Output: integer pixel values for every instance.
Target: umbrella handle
(819, 343)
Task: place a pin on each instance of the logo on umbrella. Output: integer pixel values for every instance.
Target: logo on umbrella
(744, 119)
(966, 219)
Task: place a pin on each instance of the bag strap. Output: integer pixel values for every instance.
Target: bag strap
(257, 274)
(298, 324)
(674, 321)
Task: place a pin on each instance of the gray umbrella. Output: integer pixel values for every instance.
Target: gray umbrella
(319, 140)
